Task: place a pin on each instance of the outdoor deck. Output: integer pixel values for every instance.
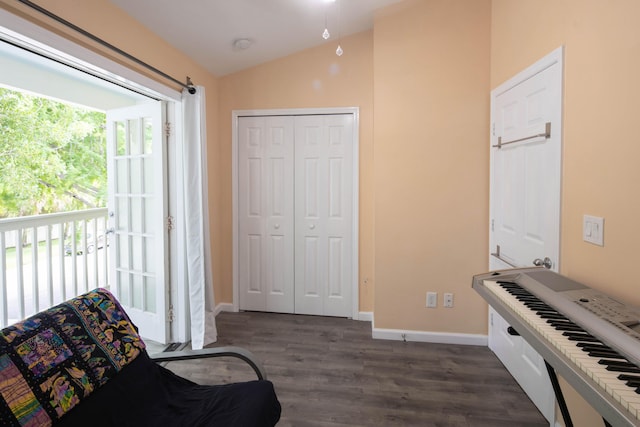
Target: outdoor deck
(61, 267)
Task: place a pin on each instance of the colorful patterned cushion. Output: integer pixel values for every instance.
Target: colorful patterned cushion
(52, 361)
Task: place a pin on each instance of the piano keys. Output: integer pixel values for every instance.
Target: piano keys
(590, 339)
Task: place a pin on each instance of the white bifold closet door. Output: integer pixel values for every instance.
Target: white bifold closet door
(265, 209)
(295, 189)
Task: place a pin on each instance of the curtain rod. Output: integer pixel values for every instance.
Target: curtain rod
(188, 85)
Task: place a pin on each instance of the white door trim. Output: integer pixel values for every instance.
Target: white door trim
(355, 111)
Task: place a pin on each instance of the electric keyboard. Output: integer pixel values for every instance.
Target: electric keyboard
(589, 338)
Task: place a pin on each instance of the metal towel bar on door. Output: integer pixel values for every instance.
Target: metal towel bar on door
(497, 255)
(546, 134)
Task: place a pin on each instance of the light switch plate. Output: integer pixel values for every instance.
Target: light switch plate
(593, 230)
(432, 299)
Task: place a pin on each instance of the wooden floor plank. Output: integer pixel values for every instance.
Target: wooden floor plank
(329, 372)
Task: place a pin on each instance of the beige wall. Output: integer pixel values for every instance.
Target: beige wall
(313, 78)
(600, 141)
(431, 174)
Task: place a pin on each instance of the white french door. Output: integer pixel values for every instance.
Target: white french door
(136, 160)
(525, 203)
(295, 213)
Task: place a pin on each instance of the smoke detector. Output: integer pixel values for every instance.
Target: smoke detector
(242, 44)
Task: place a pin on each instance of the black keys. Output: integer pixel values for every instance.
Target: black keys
(571, 336)
(593, 346)
(566, 327)
(600, 351)
(551, 315)
(631, 381)
(605, 355)
(620, 366)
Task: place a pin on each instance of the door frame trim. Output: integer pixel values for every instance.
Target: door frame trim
(355, 112)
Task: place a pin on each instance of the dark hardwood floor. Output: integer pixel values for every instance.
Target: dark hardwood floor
(330, 372)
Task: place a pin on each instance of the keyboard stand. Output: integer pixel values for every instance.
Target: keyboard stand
(559, 396)
(556, 388)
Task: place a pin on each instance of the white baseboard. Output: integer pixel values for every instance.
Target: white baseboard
(432, 337)
(365, 316)
(224, 306)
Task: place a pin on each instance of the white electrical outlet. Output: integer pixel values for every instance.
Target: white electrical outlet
(448, 300)
(432, 299)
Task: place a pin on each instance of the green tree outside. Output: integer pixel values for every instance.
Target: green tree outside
(52, 156)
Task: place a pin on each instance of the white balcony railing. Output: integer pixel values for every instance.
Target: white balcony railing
(47, 259)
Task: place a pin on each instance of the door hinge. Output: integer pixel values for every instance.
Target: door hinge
(170, 315)
(167, 129)
(493, 221)
(493, 129)
(169, 223)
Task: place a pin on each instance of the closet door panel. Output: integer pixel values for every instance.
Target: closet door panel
(323, 195)
(265, 211)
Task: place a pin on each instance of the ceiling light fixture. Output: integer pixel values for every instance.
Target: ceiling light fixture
(325, 33)
(242, 44)
(339, 50)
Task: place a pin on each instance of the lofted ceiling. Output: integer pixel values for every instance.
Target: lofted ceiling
(206, 30)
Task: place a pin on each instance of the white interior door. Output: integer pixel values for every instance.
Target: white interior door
(323, 195)
(526, 169)
(525, 202)
(265, 210)
(137, 212)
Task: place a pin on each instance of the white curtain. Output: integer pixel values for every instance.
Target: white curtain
(196, 215)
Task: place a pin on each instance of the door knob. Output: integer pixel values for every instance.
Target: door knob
(277, 226)
(546, 262)
(312, 226)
